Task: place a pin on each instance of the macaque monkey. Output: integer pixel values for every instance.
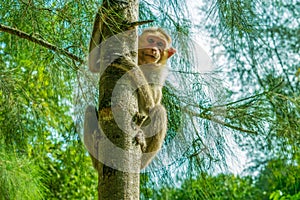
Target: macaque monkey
(153, 52)
(154, 49)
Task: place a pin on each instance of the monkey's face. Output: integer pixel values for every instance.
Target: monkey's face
(151, 47)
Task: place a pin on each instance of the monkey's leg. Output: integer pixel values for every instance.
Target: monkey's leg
(137, 121)
(155, 133)
(91, 133)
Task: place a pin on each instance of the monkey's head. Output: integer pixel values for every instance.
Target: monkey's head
(154, 46)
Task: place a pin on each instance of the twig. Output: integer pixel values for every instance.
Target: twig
(39, 41)
(139, 23)
(211, 118)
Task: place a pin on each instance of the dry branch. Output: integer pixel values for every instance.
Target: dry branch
(39, 41)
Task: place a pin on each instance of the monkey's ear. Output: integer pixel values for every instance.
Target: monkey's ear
(171, 51)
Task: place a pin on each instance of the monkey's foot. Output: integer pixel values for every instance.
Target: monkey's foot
(140, 140)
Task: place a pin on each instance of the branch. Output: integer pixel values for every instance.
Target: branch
(205, 116)
(139, 23)
(211, 118)
(248, 98)
(39, 41)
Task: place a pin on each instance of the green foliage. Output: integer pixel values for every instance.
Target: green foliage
(70, 172)
(280, 176)
(36, 94)
(219, 187)
(277, 181)
(20, 177)
(173, 107)
(277, 195)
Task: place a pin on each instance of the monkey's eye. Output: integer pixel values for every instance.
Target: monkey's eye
(151, 40)
(161, 44)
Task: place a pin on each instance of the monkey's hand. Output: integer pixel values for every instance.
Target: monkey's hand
(140, 140)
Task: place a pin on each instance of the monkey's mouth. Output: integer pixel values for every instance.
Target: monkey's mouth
(151, 56)
(150, 53)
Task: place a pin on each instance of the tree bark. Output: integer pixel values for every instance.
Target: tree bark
(116, 154)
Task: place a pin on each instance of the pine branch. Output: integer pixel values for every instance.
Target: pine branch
(205, 116)
(211, 118)
(39, 41)
(250, 98)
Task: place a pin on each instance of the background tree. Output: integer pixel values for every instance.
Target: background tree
(36, 87)
(256, 41)
(261, 48)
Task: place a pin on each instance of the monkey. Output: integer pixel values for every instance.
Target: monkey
(154, 49)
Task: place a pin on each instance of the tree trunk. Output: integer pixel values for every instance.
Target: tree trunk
(117, 154)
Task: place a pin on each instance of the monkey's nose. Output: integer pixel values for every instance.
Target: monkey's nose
(155, 52)
(155, 49)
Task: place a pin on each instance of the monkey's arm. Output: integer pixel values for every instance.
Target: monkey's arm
(138, 78)
(96, 39)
